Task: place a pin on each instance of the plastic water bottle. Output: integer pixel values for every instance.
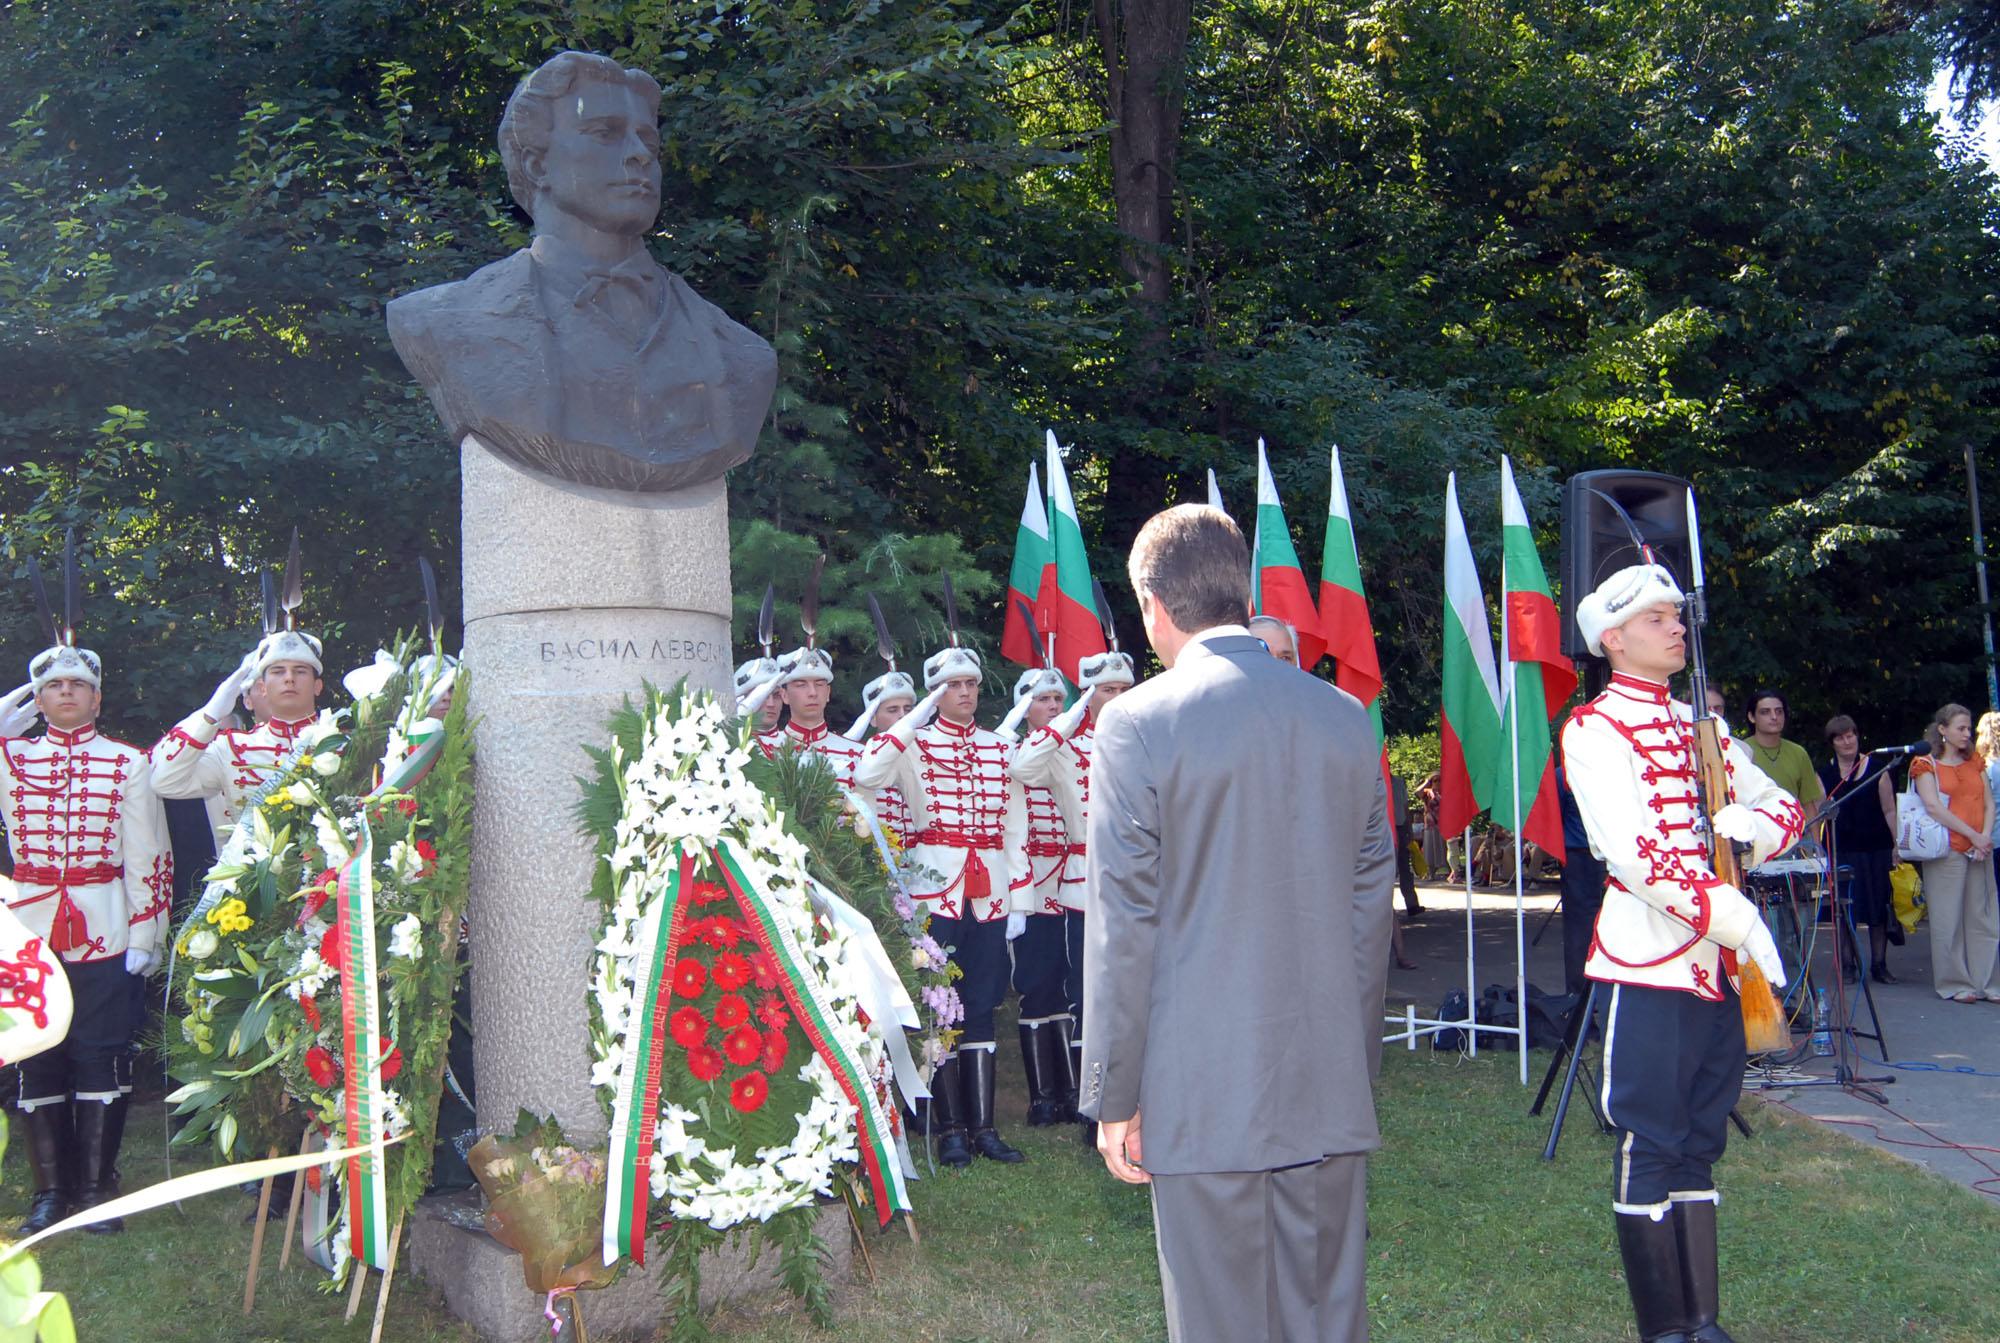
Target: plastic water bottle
(1822, 1035)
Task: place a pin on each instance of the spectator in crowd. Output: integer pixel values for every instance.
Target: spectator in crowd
(1406, 870)
(1278, 636)
(1786, 762)
(1958, 888)
(1429, 794)
(1864, 841)
(1717, 705)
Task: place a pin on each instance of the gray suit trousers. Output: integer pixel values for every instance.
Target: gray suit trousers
(1276, 1256)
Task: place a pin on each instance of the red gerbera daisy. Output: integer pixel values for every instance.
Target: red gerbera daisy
(732, 972)
(317, 894)
(687, 1027)
(743, 1045)
(320, 1066)
(749, 1091)
(731, 1012)
(310, 1009)
(719, 932)
(427, 852)
(764, 969)
(707, 893)
(392, 1062)
(407, 806)
(690, 979)
(775, 1048)
(773, 1014)
(704, 1063)
(332, 947)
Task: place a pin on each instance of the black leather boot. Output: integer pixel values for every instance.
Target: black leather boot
(49, 1143)
(1044, 1098)
(1064, 1029)
(1651, 1251)
(1701, 1280)
(99, 1130)
(946, 1116)
(978, 1079)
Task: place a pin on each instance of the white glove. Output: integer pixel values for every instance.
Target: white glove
(1760, 948)
(18, 711)
(141, 961)
(223, 702)
(1017, 923)
(1736, 822)
(926, 707)
(1066, 724)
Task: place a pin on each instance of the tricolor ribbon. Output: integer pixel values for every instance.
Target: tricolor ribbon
(628, 1185)
(360, 1015)
(808, 1003)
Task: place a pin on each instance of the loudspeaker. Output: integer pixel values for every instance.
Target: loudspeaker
(1596, 543)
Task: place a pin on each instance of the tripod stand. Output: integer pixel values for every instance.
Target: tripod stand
(1846, 1075)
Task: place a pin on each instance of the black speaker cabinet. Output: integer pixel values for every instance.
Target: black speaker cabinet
(1597, 544)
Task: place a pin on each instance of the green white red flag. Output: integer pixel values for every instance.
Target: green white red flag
(1343, 607)
(1034, 569)
(1214, 492)
(1469, 731)
(1540, 679)
(1066, 607)
(1277, 582)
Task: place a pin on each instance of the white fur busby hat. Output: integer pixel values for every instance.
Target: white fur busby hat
(808, 664)
(753, 674)
(875, 694)
(1113, 668)
(1622, 596)
(947, 663)
(1039, 681)
(287, 646)
(65, 660)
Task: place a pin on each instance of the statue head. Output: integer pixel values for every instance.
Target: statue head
(580, 137)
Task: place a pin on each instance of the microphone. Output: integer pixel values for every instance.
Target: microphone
(1915, 748)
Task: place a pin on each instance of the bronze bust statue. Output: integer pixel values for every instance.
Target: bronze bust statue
(580, 356)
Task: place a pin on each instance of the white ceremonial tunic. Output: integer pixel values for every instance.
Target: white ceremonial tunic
(196, 760)
(1061, 766)
(840, 754)
(968, 818)
(1667, 920)
(93, 872)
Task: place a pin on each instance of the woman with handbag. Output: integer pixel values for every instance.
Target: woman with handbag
(1958, 886)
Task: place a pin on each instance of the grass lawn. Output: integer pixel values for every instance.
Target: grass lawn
(1474, 1239)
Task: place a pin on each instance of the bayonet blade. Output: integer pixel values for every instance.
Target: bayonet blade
(295, 583)
(1694, 544)
(885, 647)
(72, 585)
(767, 632)
(433, 611)
(950, 610)
(42, 607)
(269, 582)
(1104, 614)
(809, 603)
(1028, 614)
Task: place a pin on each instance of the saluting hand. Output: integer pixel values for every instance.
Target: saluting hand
(18, 711)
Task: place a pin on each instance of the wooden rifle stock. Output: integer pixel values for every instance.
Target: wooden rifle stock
(1765, 1029)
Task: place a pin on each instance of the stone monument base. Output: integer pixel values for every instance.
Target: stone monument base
(482, 1283)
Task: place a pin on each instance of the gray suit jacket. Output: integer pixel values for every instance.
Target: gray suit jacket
(1240, 865)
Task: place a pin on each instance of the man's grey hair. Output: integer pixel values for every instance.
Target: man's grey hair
(529, 118)
(1291, 635)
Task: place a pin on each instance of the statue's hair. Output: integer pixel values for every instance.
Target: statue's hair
(525, 125)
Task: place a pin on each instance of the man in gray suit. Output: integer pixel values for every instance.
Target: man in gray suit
(1240, 870)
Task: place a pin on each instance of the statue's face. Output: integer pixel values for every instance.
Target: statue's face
(603, 161)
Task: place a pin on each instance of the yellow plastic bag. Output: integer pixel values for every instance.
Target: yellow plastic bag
(1417, 863)
(1907, 895)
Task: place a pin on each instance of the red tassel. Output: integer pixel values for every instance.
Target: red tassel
(70, 929)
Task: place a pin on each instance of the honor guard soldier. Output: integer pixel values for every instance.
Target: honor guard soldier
(884, 703)
(200, 758)
(1035, 925)
(969, 829)
(1667, 941)
(756, 680)
(1058, 758)
(93, 879)
(805, 687)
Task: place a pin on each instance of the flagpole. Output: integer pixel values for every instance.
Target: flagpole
(1520, 820)
(1471, 975)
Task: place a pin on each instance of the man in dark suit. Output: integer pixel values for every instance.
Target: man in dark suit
(1240, 869)
(580, 356)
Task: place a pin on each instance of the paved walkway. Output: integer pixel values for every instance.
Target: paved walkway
(1946, 1055)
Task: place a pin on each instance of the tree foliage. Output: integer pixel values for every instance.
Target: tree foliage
(1709, 240)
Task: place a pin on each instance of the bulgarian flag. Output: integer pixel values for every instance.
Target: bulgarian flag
(1343, 609)
(1065, 607)
(1470, 735)
(1277, 583)
(1214, 493)
(1541, 679)
(1034, 570)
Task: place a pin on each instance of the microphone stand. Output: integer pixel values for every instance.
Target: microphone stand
(1846, 1075)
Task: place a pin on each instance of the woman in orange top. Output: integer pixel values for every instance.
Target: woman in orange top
(1958, 888)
